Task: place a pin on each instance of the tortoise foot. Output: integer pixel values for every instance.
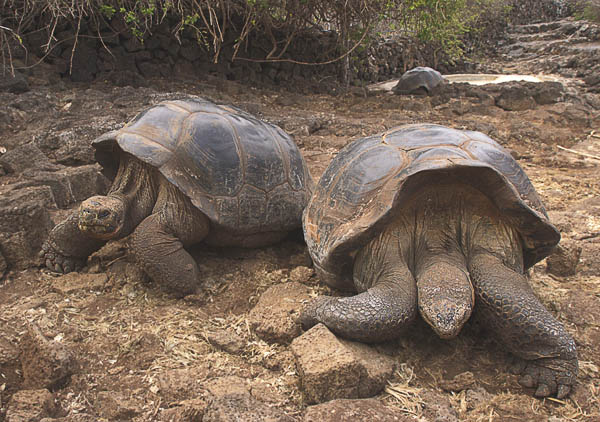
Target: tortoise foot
(549, 376)
(312, 313)
(56, 261)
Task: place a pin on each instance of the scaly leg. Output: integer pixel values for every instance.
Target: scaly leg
(158, 242)
(507, 304)
(67, 248)
(386, 305)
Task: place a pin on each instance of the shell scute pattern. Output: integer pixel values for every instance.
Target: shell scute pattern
(265, 167)
(422, 136)
(165, 126)
(424, 78)
(368, 174)
(225, 160)
(209, 147)
(355, 197)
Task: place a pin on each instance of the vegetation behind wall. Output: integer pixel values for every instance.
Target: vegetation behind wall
(265, 30)
(587, 9)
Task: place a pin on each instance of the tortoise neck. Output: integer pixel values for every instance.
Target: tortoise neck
(452, 220)
(135, 184)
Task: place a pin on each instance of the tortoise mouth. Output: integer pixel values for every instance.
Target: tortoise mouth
(449, 323)
(99, 231)
(101, 217)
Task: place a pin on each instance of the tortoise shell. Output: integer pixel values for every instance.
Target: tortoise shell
(419, 78)
(371, 177)
(242, 173)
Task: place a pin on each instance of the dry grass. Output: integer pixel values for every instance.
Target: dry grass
(211, 23)
(440, 26)
(403, 394)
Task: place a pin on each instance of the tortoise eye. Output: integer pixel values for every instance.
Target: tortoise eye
(103, 214)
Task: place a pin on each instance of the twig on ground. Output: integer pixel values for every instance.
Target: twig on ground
(583, 154)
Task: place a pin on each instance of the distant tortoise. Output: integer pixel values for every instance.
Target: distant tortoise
(184, 172)
(442, 220)
(420, 80)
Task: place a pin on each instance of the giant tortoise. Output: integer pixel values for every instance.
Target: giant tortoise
(443, 221)
(184, 172)
(419, 80)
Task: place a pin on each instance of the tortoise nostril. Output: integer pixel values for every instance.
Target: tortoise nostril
(103, 214)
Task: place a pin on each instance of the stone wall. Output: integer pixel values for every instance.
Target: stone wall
(112, 53)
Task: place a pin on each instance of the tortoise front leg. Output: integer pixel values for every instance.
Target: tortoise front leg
(157, 244)
(387, 304)
(507, 304)
(67, 248)
(379, 314)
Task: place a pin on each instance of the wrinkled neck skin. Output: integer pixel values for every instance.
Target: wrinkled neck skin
(136, 185)
(435, 235)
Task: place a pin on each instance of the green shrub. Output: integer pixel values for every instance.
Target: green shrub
(588, 9)
(438, 24)
(445, 28)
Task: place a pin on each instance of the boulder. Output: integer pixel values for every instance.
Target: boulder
(83, 62)
(72, 184)
(30, 406)
(345, 410)
(173, 384)
(333, 368)
(45, 362)
(133, 45)
(115, 405)
(563, 260)
(515, 98)
(242, 407)
(438, 407)
(24, 223)
(226, 340)
(72, 146)
(274, 318)
(459, 382)
(548, 92)
(15, 84)
(23, 157)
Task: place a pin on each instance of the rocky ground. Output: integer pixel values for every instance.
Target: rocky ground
(107, 344)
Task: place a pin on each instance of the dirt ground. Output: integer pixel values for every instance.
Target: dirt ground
(141, 354)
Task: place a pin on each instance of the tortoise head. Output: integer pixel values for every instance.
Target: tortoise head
(446, 317)
(102, 217)
(445, 297)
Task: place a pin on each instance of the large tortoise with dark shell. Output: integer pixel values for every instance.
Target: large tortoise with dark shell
(443, 221)
(419, 80)
(184, 172)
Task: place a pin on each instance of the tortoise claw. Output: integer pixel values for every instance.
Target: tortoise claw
(542, 391)
(549, 376)
(526, 381)
(517, 367)
(55, 261)
(563, 391)
(309, 316)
